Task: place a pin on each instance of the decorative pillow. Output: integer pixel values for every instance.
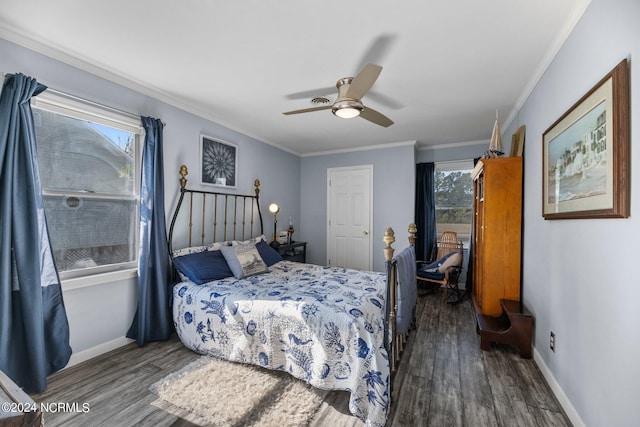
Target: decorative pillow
(269, 255)
(187, 251)
(203, 267)
(453, 258)
(437, 266)
(253, 240)
(244, 260)
(215, 246)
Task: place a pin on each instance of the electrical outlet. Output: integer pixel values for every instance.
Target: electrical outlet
(552, 342)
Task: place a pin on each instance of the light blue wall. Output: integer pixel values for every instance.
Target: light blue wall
(465, 152)
(393, 197)
(580, 277)
(101, 314)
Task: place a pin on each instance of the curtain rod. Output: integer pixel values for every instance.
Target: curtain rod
(86, 101)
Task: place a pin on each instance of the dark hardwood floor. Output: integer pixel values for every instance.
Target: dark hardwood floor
(444, 379)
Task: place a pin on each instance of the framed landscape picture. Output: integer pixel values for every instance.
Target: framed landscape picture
(585, 154)
(218, 162)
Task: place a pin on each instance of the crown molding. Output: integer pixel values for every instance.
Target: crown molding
(453, 145)
(366, 148)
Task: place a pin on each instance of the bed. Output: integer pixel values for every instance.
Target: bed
(236, 299)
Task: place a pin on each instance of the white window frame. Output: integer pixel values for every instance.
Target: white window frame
(78, 108)
(454, 165)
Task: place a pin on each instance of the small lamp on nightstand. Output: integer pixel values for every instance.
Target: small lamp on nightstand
(274, 209)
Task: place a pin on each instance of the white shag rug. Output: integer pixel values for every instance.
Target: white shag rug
(218, 393)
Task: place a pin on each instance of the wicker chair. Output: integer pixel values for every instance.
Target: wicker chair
(445, 267)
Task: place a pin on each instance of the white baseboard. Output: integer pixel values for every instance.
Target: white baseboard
(92, 352)
(571, 412)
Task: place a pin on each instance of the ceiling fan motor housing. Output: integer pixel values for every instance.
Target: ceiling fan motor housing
(344, 106)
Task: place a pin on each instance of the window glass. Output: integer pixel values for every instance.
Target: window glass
(454, 198)
(88, 171)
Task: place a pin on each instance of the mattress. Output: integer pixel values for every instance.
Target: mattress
(324, 325)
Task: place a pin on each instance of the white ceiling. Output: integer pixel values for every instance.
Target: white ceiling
(447, 64)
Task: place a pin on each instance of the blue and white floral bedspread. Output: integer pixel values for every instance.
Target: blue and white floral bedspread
(323, 325)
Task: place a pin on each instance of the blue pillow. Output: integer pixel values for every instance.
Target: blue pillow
(203, 267)
(269, 255)
(434, 266)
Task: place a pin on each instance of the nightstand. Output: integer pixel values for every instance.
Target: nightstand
(296, 251)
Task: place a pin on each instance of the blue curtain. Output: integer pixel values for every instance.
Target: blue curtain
(469, 282)
(425, 214)
(34, 331)
(152, 321)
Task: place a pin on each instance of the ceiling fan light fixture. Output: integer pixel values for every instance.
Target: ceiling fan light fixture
(347, 109)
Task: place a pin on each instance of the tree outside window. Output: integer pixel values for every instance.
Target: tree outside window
(454, 199)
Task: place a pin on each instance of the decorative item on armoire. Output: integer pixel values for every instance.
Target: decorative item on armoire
(495, 146)
(517, 142)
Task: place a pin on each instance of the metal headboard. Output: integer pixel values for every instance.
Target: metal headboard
(232, 215)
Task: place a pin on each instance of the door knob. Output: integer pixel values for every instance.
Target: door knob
(365, 232)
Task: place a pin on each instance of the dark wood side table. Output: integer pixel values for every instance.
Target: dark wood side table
(296, 251)
(513, 327)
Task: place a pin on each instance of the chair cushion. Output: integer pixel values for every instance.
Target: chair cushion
(430, 275)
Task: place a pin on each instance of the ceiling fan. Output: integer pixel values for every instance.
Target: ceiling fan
(349, 104)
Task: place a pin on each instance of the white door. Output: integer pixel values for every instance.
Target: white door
(350, 213)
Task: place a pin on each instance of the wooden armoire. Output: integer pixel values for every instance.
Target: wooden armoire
(497, 233)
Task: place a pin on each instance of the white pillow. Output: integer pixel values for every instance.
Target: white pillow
(253, 240)
(187, 251)
(453, 259)
(217, 245)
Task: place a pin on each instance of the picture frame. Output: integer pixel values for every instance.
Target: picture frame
(585, 154)
(517, 142)
(218, 162)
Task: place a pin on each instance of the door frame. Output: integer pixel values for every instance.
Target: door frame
(368, 168)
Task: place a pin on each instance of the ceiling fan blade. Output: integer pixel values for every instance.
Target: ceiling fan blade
(384, 100)
(312, 93)
(308, 110)
(363, 81)
(376, 117)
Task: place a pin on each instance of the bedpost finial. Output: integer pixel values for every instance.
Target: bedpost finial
(412, 234)
(183, 173)
(388, 238)
(256, 184)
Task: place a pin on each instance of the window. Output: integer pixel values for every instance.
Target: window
(454, 198)
(88, 157)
